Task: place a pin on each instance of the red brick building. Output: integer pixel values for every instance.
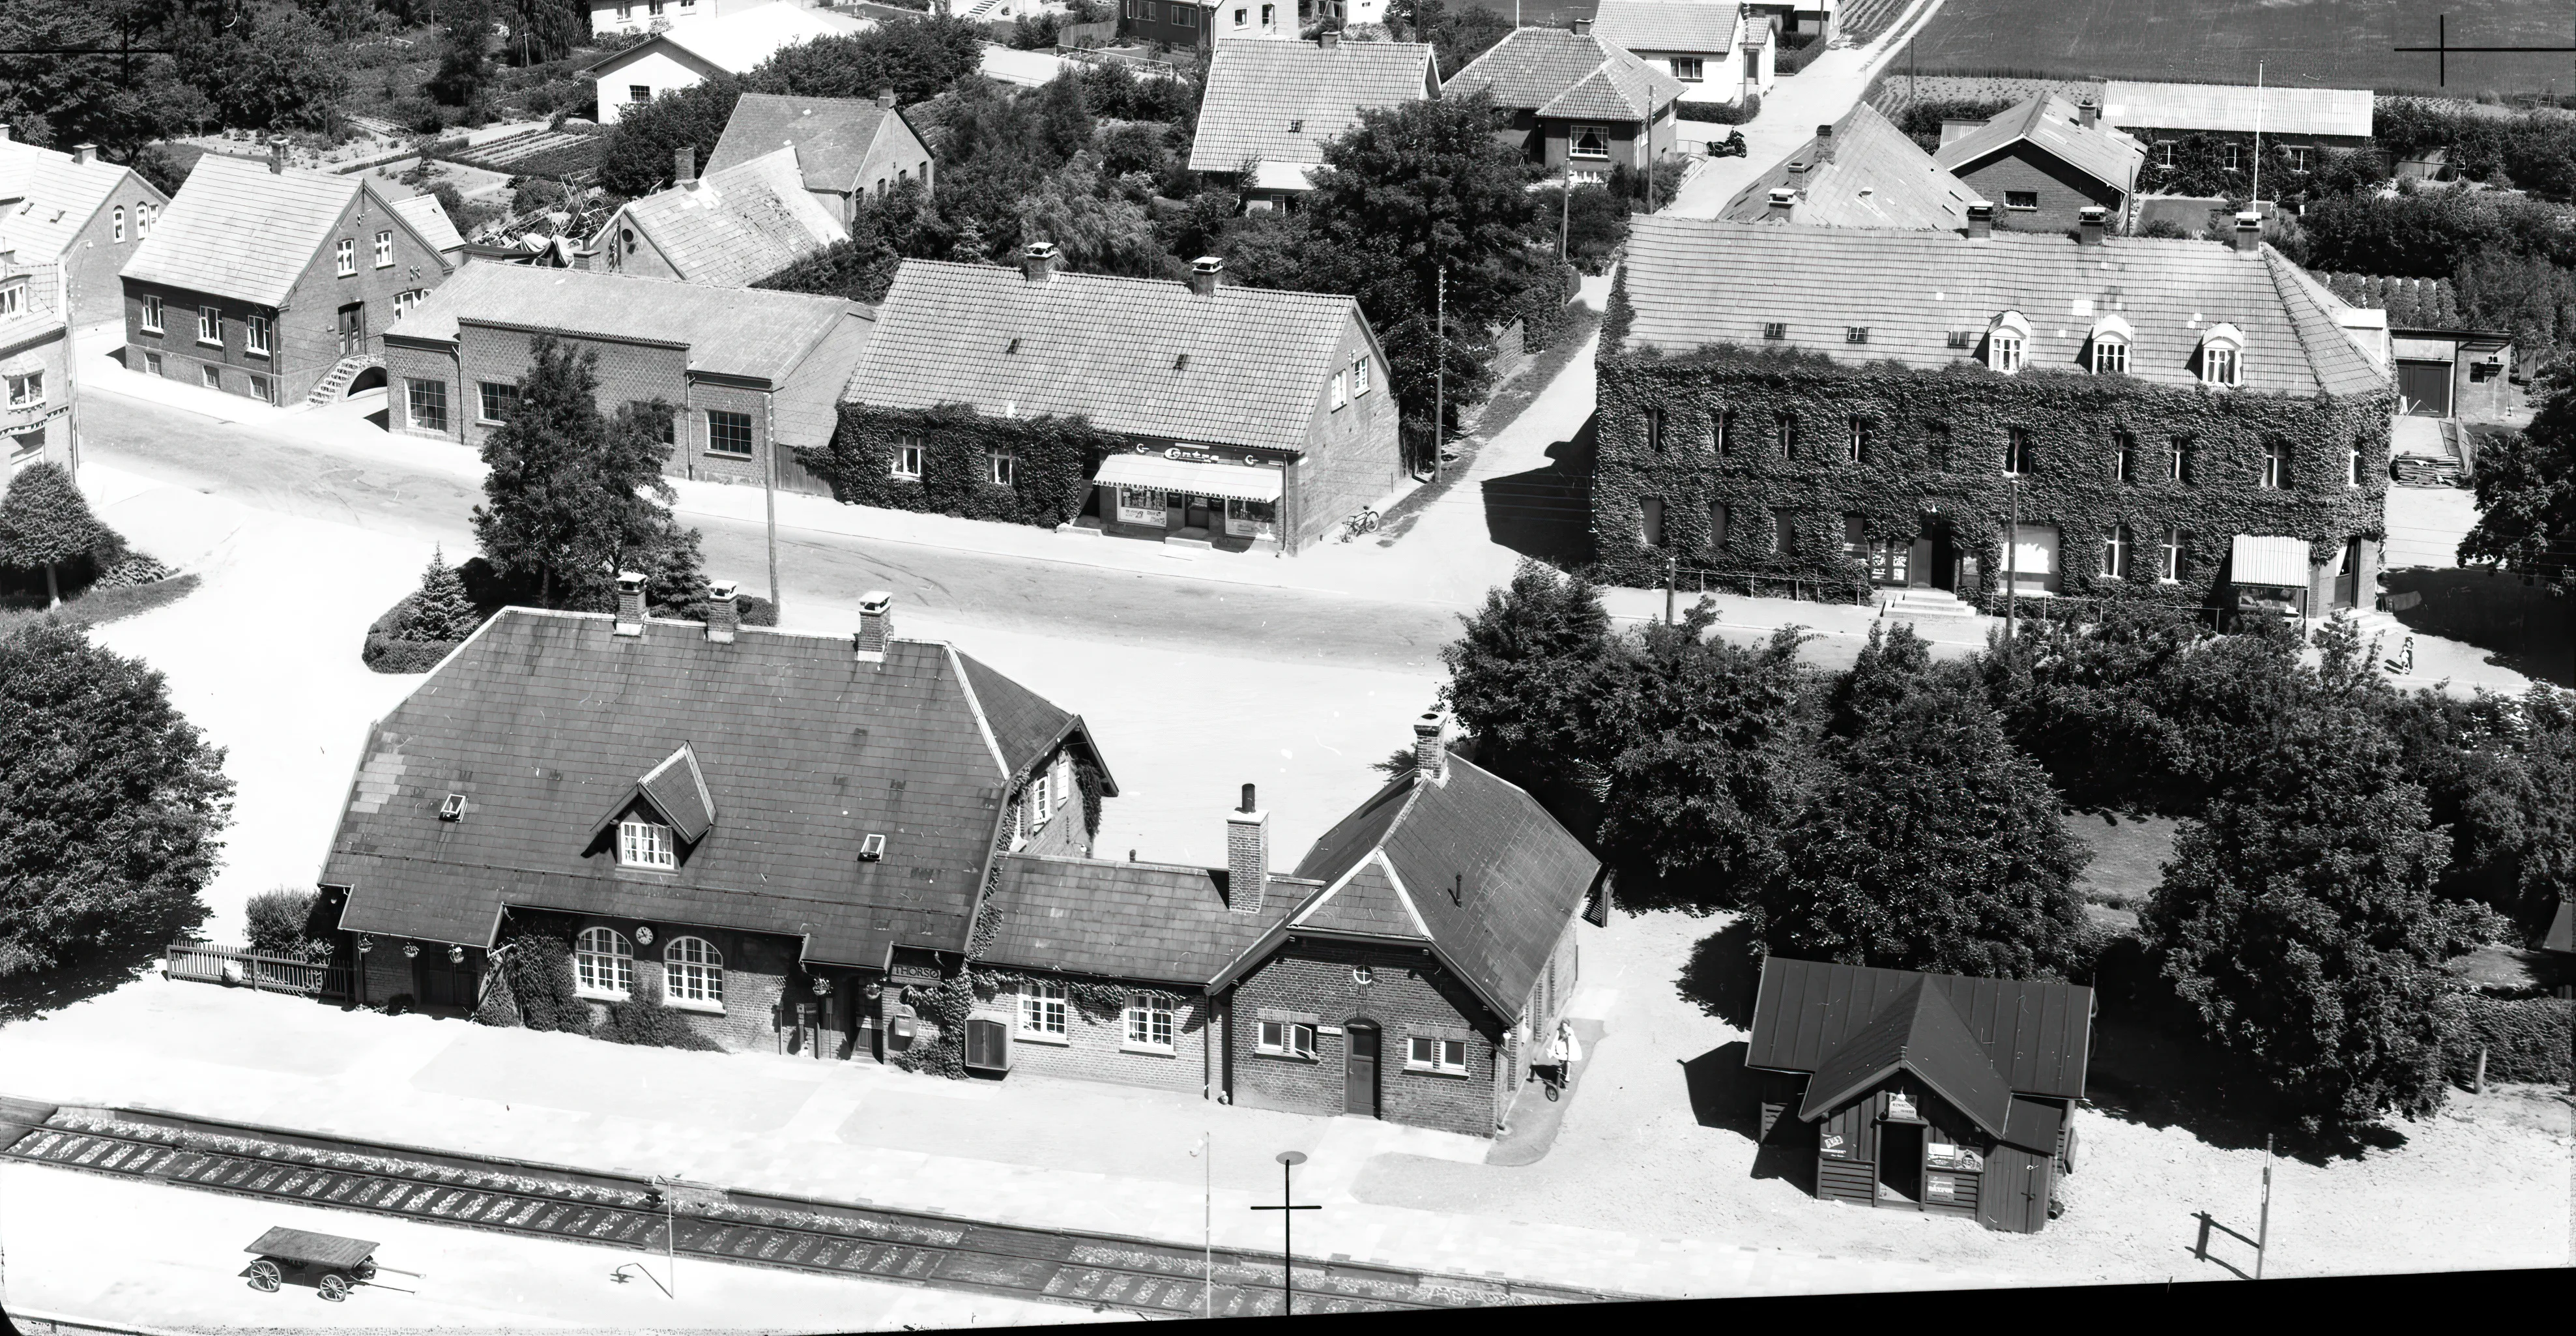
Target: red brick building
(2044, 162)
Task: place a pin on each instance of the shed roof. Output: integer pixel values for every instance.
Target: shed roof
(1695, 282)
(1877, 177)
(1915, 1030)
(1143, 921)
(1561, 73)
(46, 197)
(542, 718)
(728, 331)
(2053, 125)
(2273, 110)
(239, 230)
(1274, 101)
(2036, 1033)
(735, 42)
(1669, 25)
(830, 136)
(1107, 348)
(2562, 929)
(735, 227)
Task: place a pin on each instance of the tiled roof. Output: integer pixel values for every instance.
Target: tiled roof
(831, 136)
(1143, 921)
(542, 719)
(735, 227)
(1555, 72)
(2053, 125)
(2411, 303)
(805, 409)
(1024, 723)
(1878, 177)
(239, 230)
(46, 198)
(2282, 111)
(1106, 348)
(1369, 900)
(1694, 282)
(2037, 1033)
(1273, 101)
(738, 41)
(429, 218)
(728, 331)
(1669, 25)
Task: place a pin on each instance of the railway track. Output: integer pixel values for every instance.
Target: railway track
(617, 1211)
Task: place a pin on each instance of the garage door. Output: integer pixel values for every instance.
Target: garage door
(2424, 388)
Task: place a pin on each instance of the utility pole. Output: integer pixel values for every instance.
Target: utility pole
(1672, 576)
(769, 499)
(1207, 1221)
(1565, 207)
(2263, 1223)
(2012, 556)
(1440, 375)
(1288, 1161)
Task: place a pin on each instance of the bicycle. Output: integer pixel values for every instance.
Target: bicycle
(1363, 522)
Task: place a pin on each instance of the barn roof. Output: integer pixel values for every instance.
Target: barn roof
(2274, 111)
(2036, 1034)
(1875, 177)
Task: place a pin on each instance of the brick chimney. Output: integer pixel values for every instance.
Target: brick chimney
(2091, 221)
(1981, 220)
(277, 154)
(1328, 39)
(1798, 170)
(1037, 261)
(885, 98)
(1583, 27)
(2249, 231)
(684, 165)
(1783, 199)
(876, 626)
(1247, 856)
(630, 604)
(1824, 145)
(84, 153)
(1430, 746)
(2088, 113)
(724, 616)
(1205, 271)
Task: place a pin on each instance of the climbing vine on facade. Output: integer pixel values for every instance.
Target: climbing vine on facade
(951, 460)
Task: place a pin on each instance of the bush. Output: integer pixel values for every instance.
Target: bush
(134, 571)
(1720, 113)
(498, 1006)
(643, 1019)
(540, 973)
(280, 923)
(2526, 1040)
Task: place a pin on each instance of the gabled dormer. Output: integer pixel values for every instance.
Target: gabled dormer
(660, 819)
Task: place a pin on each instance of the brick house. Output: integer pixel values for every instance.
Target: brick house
(845, 150)
(1241, 418)
(1579, 104)
(1717, 53)
(2044, 162)
(36, 365)
(753, 374)
(2146, 408)
(780, 830)
(2190, 129)
(273, 283)
(80, 212)
(731, 228)
(1860, 171)
(1190, 25)
(1270, 107)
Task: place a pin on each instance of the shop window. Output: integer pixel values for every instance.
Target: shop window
(728, 433)
(645, 844)
(1149, 1021)
(603, 964)
(1286, 1039)
(1142, 505)
(1252, 519)
(425, 402)
(693, 971)
(1042, 1009)
(1430, 1053)
(907, 458)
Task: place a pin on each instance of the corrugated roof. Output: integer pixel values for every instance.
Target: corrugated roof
(1108, 349)
(2051, 124)
(1557, 72)
(1915, 1030)
(1273, 101)
(1694, 282)
(429, 218)
(1144, 921)
(1878, 177)
(542, 719)
(239, 230)
(2282, 111)
(728, 331)
(738, 41)
(2254, 559)
(46, 198)
(1669, 25)
(735, 227)
(2037, 1033)
(831, 136)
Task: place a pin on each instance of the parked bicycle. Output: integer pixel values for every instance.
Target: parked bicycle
(1363, 522)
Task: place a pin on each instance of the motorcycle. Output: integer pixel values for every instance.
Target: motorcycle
(1730, 147)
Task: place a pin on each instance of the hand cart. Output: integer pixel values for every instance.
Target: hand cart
(331, 1264)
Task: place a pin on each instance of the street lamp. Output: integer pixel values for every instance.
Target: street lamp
(1288, 1161)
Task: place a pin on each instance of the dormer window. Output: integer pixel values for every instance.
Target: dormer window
(2007, 342)
(2222, 355)
(2110, 341)
(645, 844)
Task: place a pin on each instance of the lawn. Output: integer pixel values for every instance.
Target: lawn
(98, 607)
(2310, 43)
(2128, 857)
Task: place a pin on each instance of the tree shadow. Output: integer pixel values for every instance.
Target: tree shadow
(1722, 975)
(28, 996)
(2524, 624)
(1546, 513)
(1723, 1094)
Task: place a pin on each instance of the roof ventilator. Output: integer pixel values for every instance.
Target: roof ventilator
(452, 807)
(872, 849)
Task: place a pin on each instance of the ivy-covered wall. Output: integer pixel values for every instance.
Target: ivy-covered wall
(2200, 162)
(1903, 485)
(1053, 460)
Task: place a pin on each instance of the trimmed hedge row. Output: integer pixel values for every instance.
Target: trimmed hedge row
(2525, 1040)
(1720, 113)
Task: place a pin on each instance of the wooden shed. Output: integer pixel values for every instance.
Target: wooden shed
(1923, 1092)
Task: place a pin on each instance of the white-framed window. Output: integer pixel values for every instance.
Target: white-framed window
(907, 458)
(2004, 350)
(262, 389)
(642, 843)
(1149, 1021)
(405, 301)
(1586, 141)
(255, 335)
(384, 250)
(209, 376)
(120, 222)
(2178, 460)
(344, 256)
(1005, 466)
(1430, 1053)
(425, 401)
(1042, 1009)
(693, 972)
(2169, 555)
(1359, 375)
(2218, 364)
(495, 400)
(27, 391)
(2116, 546)
(151, 315)
(1270, 16)
(1687, 69)
(145, 215)
(210, 325)
(1341, 394)
(2227, 156)
(2298, 156)
(2164, 152)
(603, 963)
(1655, 430)
(625, 10)
(1785, 431)
(1286, 1039)
(1856, 442)
(1042, 800)
(2276, 464)
(1242, 16)
(2352, 462)
(728, 433)
(2124, 457)
(2026, 201)
(2110, 356)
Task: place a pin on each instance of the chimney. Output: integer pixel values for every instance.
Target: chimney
(1981, 220)
(1583, 27)
(684, 165)
(876, 626)
(84, 153)
(1204, 273)
(1247, 856)
(885, 98)
(1037, 262)
(630, 604)
(1783, 199)
(2088, 113)
(2249, 231)
(1824, 144)
(1328, 39)
(724, 616)
(2090, 222)
(277, 154)
(1430, 749)
(1798, 169)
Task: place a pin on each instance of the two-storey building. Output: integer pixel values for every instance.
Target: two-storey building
(79, 211)
(1716, 52)
(35, 363)
(692, 48)
(1579, 104)
(730, 228)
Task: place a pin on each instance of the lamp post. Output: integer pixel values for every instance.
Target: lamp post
(1288, 1161)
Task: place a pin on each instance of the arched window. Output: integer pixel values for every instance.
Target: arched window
(2115, 552)
(2222, 355)
(120, 222)
(603, 963)
(2111, 339)
(2007, 342)
(693, 971)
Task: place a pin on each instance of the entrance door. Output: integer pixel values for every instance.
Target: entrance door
(1900, 1162)
(2347, 584)
(1359, 1068)
(438, 983)
(353, 329)
(2424, 388)
(1195, 516)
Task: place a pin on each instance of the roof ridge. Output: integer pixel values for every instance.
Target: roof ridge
(2272, 262)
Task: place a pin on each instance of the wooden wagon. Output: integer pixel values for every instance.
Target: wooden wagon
(331, 1264)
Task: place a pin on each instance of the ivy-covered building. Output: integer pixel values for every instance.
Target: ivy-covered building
(2104, 417)
(2200, 138)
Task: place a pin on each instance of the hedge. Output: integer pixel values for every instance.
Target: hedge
(1055, 460)
(1720, 113)
(2071, 419)
(2525, 1040)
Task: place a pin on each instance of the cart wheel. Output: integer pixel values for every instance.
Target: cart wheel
(365, 1270)
(335, 1288)
(263, 1276)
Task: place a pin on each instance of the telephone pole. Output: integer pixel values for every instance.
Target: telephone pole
(1440, 376)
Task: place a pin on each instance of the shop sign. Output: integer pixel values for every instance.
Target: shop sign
(1940, 1186)
(1834, 1145)
(1189, 454)
(904, 972)
(1900, 1106)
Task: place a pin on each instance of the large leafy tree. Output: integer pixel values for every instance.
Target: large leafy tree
(110, 804)
(638, 157)
(464, 54)
(2497, 773)
(2526, 487)
(1458, 35)
(919, 58)
(45, 521)
(1525, 670)
(262, 69)
(1933, 844)
(119, 104)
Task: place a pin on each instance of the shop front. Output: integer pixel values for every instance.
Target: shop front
(1178, 493)
(2268, 577)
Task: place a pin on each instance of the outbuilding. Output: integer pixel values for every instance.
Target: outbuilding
(1923, 1092)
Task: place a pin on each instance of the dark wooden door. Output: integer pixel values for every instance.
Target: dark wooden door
(1359, 1068)
(2347, 585)
(437, 983)
(2424, 388)
(353, 329)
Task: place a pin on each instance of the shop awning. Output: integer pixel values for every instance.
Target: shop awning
(2269, 561)
(1232, 482)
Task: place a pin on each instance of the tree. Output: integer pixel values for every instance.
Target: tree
(1522, 674)
(264, 69)
(464, 54)
(919, 58)
(1096, 233)
(642, 146)
(1891, 667)
(2526, 486)
(2496, 772)
(45, 521)
(110, 804)
(58, 101)
(1933, 844)
(2524, 295)
(1458, 36)
(543, 30)
(275, 923)
(440, 610)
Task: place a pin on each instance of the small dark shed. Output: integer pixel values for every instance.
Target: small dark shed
(1923, 1092)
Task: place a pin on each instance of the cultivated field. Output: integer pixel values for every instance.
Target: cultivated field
(2312, 43)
